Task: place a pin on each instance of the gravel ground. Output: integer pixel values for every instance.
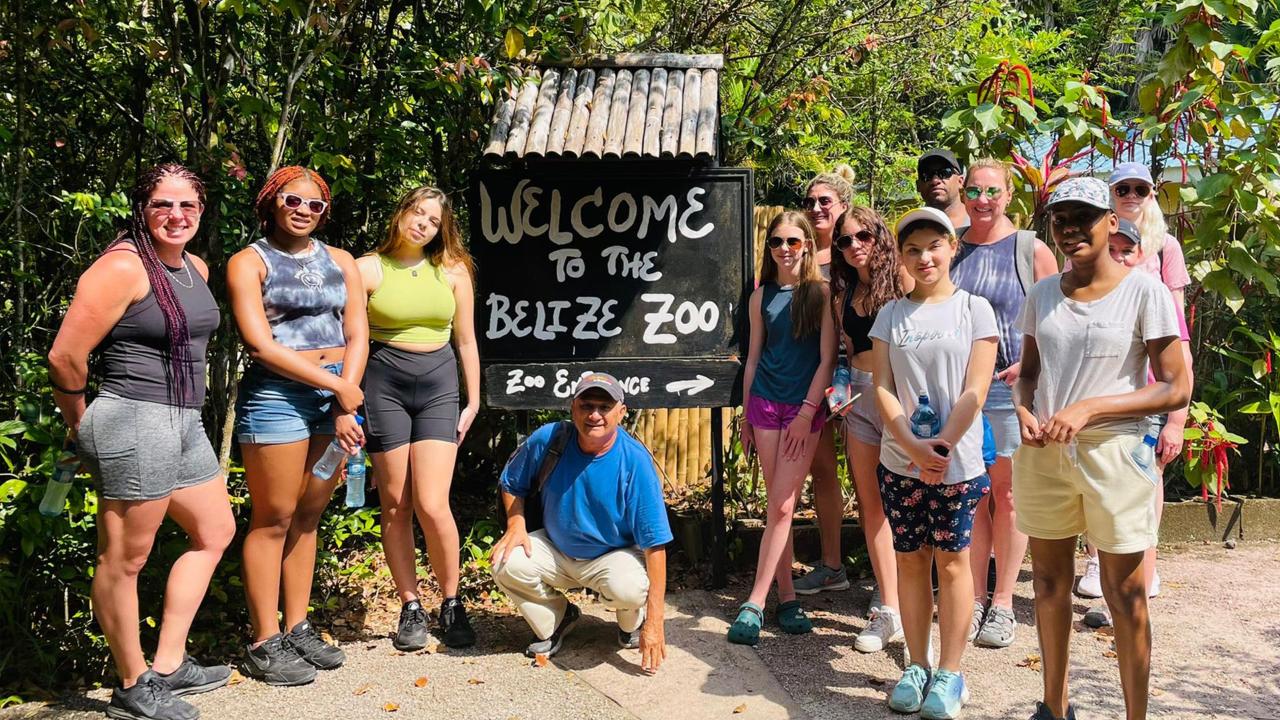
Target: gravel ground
(1216, 626)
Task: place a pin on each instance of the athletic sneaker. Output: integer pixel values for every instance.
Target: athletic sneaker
(1043, 713)
(149, 699)
(975, 623)
(1090, 584)
(1154, 590)
(275, 662)
(884, 628)
(873, 605)
(822, 578)
(998, 629)
(411, 631)
(191, 677)
(631, 640)
(551, 645)
(454, 626)
(1099, 616)
(908, 694)
(947, 695)
(304, 639)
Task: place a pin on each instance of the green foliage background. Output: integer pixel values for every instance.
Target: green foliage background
(381, 96)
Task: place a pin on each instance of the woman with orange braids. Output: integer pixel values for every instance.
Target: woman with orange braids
(143, 307)
(421, 299)
(299, 305)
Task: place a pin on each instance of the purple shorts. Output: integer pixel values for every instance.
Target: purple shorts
(770, 415)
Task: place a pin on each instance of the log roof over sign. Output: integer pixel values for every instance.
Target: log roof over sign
(623, 106)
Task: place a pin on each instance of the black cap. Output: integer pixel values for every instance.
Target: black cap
(942, 154)
(1130, 231)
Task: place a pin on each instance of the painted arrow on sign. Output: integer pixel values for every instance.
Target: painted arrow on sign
(690, 387)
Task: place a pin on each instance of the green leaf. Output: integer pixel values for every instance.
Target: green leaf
(988, 116)
(1211, 186)
(513, 42)
(1221, 282)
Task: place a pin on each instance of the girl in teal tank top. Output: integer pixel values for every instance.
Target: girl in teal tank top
(788, 369)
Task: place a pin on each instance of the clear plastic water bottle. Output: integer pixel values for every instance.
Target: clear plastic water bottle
(355, 480)
(333, 456)
(925, 422)
(64, 473)
(1144, 454)
(838, 393)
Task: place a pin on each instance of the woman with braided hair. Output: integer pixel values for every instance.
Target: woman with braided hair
(143, 307)
(299, 305)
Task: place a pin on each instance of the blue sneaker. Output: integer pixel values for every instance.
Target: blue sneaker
(947, 695)
(908, 694)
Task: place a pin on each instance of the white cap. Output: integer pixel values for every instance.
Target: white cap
(924, 213)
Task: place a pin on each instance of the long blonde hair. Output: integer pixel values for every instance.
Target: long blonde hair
(1151, 227)
(807, 306)
(839, 179)
(448, 250)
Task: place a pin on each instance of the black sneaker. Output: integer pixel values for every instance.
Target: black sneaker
(411, 633)
(275, 662)
(149, 699)
(1043, 713)
(454, 626)
(191, 677)
(551, 645)
(304, 639)
(631, 640)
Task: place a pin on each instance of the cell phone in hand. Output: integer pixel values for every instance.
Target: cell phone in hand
(942, 450)
(837, 410)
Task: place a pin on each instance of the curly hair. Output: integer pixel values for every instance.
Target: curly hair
(806, 309)
(450, 248)
(883, 262)
(265, 205)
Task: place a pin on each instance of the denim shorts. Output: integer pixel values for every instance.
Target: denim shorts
(273, 410)
(999, 412)
(920, 514)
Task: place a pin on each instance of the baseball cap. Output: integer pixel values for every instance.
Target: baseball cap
(1131, 171)
(942, 154)
(1087, 190)
(924, 213)
(1130, 231)
(604, 381)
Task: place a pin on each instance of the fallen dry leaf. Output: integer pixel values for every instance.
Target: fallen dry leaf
(390, 707)
(1032, 661)
(1109, 653)
(362, 689)
(432, 648)
(740, 709)
(420, 682)
(236, 678)
(540, 660)
(1156, 692)
(475, 681)
(325, 636)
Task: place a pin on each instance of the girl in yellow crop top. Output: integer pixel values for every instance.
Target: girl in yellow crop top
(419, 283)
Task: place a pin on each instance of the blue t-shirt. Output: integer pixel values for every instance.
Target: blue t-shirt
(591, 505)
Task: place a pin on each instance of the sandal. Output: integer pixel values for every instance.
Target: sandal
(792, 618)
(745, 630)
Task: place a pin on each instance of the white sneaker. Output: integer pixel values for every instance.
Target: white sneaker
(884, 628)
(873, 605)
(1090, 584)
(1154, 590)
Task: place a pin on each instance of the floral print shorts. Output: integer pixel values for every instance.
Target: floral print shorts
(921, 514)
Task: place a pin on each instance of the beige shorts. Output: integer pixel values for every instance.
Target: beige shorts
(1101, 492)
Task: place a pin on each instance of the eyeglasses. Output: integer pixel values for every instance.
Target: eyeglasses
(794, 243)
(1141, 190)
(823, 201)
(190, 208)
(946, 172)
(292, 201)
(973, 192)
(1084, 218)
(844, 242)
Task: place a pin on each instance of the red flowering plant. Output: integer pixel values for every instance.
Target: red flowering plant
(1208, 448)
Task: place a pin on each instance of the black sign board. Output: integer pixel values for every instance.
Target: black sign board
(594, 267)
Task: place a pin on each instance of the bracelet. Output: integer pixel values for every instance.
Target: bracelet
(810, 403)
(65, 391)
(808, 418)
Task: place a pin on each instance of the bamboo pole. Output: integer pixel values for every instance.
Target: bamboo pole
(617, 127)
(689, 115)
(577, 132)
(562, 114)
(599, 122)
(671, 114)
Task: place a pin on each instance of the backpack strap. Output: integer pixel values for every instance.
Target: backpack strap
(559, 441)
(1024, 259)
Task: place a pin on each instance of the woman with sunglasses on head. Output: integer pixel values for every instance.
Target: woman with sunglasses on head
(420, 298)
(143, 307)
(866, 273)
(299, 305)
(789, 361)
(826, 198)
(1000, 263)
(1134, 198)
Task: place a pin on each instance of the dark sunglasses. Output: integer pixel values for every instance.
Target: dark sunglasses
(844, 242)
(973, 192)
(946, 172)
(775, 242)
(292, 201)
(815, 202)
(1139, 190)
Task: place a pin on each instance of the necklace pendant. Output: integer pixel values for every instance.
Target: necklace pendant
(414, 273)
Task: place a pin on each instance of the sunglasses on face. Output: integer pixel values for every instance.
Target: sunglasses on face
(946, 172)
(794, 243)
(1139, 190)
(190, 208)
(973, 192)
(844, 242)
(824, 201)
(293, 202)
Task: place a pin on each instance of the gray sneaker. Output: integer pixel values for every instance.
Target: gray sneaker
(998, 629)
(1097, 617)
(975, 624)
(884, 628)
(821, 578)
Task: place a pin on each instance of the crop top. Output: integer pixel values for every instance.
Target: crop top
(411, 304)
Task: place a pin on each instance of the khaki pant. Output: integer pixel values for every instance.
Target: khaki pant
(534, 583)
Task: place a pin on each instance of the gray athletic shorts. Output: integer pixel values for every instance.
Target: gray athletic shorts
(140, 450)
(863, 419)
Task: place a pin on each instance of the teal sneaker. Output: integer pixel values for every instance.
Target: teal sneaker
(947, 695)
(908, 694)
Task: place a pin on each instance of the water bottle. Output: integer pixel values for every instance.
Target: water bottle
(333, 456)
(1145, 455)
(838, 393)
(925, 422)
(355, 480)
(55, 493)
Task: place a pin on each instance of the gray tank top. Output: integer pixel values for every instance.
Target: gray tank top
(304, 296)
(133, 356)
(990, 271)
